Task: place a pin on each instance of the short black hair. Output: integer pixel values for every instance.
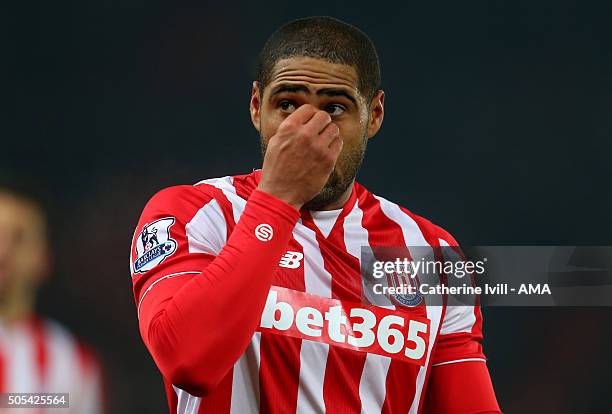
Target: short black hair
(327, 38)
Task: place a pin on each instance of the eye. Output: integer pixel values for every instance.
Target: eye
(286, 106)
(335, 109)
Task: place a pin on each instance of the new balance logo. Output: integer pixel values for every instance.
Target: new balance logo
(291, 260)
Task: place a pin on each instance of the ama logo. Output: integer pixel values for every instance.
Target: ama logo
(154, 244)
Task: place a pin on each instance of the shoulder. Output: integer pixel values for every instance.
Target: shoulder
(432, 230)
(227, 190)
(186, 200)
(433, 233)
(189, 209)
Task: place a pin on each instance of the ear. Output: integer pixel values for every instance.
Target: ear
(377, 113)
(255, 105)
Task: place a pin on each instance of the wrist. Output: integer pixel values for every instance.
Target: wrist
(281, 197)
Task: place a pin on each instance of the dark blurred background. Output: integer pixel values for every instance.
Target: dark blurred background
(498, 127)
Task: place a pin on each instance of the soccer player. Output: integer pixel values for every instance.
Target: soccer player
(248, 287)
(37, 355)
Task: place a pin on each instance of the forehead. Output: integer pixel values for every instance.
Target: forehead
(314, 73)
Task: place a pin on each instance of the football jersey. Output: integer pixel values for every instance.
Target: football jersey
(40, 356)
(322, 345)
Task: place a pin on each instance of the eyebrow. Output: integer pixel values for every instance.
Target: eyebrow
(292, 88)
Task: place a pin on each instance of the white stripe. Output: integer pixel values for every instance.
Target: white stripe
(22, 375)
(434, 313)
(372, 387)
(459, 360)
(313, 360)
(313, 355)
(207, 230)
(63, 370)
(458, 319)
(245, 382)
(414, 237)
(410, 229)
(357, 244)
(159, 280)
(316, 278)
(325, 220)
(355, 235)
(187, 403)
(226, 185)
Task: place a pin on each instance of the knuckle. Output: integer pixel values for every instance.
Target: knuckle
(329, 161)
(322, 153)
(303, 133)
(286, 125)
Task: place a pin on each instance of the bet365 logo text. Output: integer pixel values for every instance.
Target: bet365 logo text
(392, 333)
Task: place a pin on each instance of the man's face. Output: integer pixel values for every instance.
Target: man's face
(329, 87)
(23, 247)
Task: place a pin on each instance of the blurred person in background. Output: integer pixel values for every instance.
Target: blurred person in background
(37, 355)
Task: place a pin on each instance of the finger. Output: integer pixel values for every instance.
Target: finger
(328, 134)
(301, 115)
(335, 147)
(319, 121)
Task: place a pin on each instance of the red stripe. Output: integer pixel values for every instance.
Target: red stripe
(279, 372)
(245, 184)
(172, 398)
(226, 206)
(41, 353)
(401, 378)
(344, 367)
(220, 399)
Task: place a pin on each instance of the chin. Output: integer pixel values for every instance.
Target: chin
(328, 195)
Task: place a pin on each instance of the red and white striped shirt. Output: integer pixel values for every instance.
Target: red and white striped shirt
(40, 356)
(316, 346)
